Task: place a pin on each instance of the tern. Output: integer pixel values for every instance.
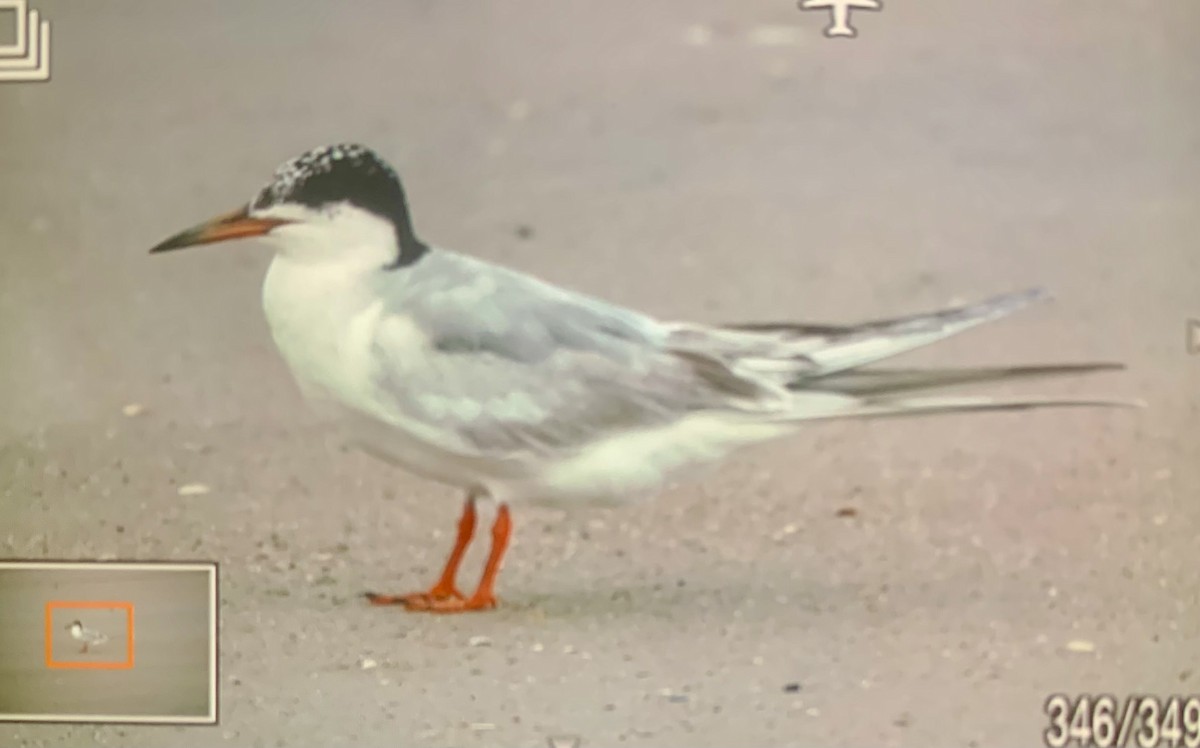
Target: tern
(515, 390)
(89, 637)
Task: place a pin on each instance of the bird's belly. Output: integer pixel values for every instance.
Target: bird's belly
(397, 445)
(636, 464)
(364, 424)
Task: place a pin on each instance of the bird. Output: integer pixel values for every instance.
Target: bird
(89, 637)
(517, 391)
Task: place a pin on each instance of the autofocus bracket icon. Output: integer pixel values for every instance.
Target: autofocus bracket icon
(27, 58)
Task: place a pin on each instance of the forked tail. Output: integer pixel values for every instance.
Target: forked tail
(833, 386)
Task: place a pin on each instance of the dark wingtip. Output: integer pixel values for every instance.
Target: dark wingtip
(1088, 368)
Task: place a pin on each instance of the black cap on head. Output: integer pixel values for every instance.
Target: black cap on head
(348, 173)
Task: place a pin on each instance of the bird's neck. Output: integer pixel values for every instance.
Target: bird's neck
(409, 247)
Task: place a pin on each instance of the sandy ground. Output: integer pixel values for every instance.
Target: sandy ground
(702, 159)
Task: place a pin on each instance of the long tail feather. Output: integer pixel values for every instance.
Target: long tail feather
(820, 364)
(875, 341)
(876, 382)
(816, 406)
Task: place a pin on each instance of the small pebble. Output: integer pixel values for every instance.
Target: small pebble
(194, 489)
(133, 409)
(481, 726)
(1080, 645)
(479, 641)
(791, 688)
(788, 529)
(367, 663)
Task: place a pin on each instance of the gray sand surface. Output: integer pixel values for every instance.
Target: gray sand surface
(708, 160)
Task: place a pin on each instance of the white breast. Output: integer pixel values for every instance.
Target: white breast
(325, 322)
(322, 323)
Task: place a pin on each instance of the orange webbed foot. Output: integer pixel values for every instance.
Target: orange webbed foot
(459, 605)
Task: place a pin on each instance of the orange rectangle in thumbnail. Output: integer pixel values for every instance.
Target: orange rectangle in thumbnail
(125, 664)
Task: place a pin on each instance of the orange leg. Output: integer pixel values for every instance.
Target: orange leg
(484, 597)
(445, 588)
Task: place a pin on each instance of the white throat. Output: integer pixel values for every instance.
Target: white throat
(342, 236)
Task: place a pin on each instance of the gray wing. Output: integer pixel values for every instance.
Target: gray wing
(495, 363)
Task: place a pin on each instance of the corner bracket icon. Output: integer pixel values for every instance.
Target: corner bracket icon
(27, 59)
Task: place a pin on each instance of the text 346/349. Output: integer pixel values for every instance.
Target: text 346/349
(1108, 722)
